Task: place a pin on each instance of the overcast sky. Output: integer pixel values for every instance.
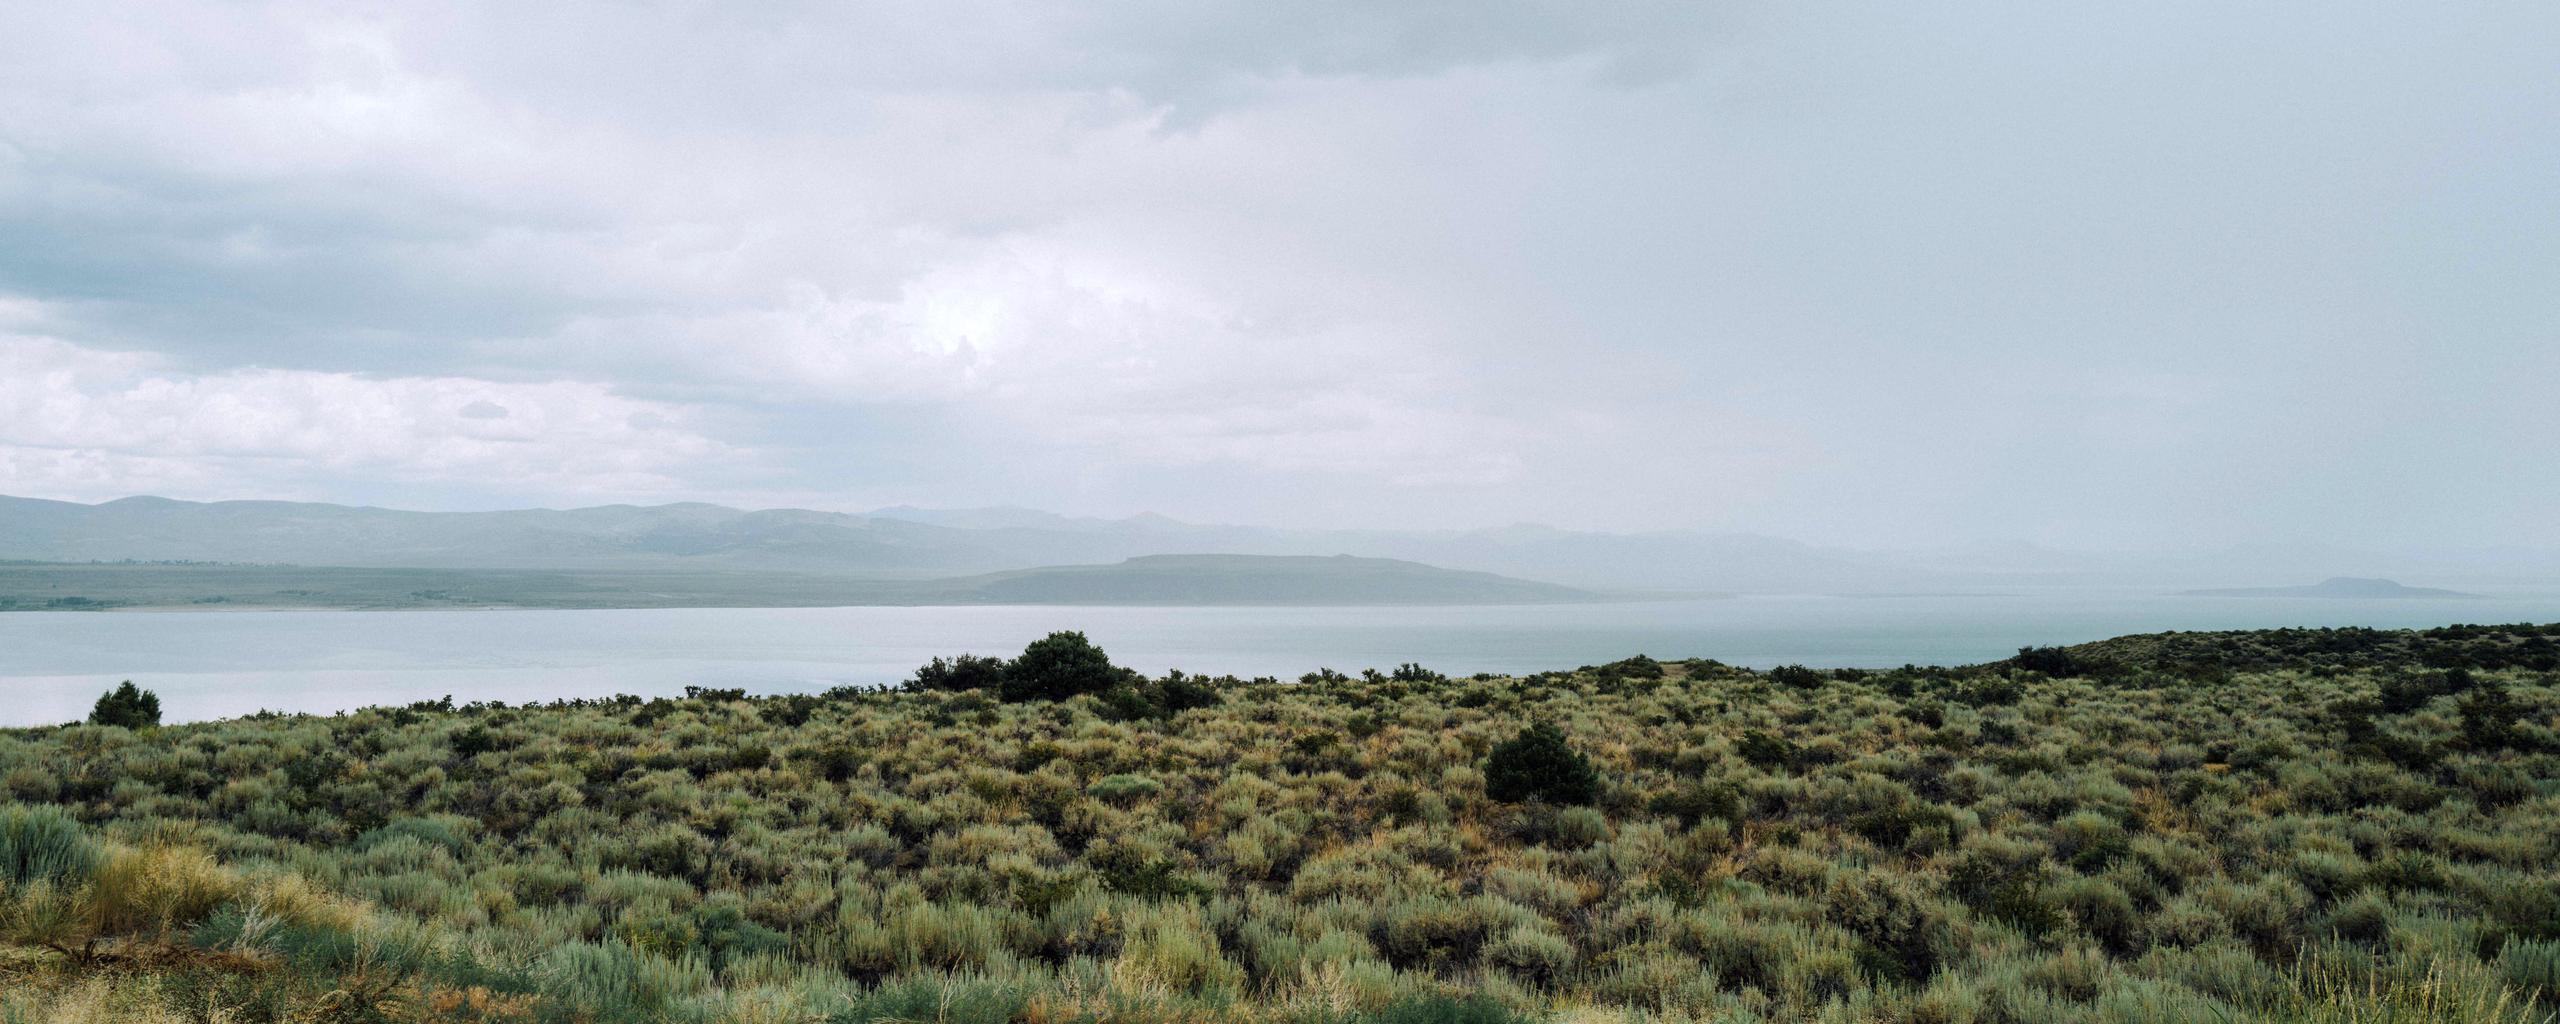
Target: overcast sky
(2098, 275)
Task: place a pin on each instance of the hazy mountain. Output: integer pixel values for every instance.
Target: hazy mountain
(612, 536)
(2351, 587)
(892, 542)
(1154, 579)
(918, 543)
(1255, 579)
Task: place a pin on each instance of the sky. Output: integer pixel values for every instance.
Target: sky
(2173, 274)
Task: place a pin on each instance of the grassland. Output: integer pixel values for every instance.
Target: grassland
(2320, 825)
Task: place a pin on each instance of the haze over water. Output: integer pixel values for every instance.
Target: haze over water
(217, 664)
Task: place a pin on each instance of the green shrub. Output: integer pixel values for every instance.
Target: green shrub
(616, 982)
(1410, 672)
(939, 1000)
(473, 741)
(1539, 764)
(727, 936)
(1439, 1009)
(45, 845)
(2051, 661)
(1765, 751)
(1179, 693)
(1124, 789)
(2489, 718)
(1692, 803)
(2533, 967)
(1578, 828)
(1170, 947)
(967, 672)
(1907, 936)
(445, 833)
(1059, 666)
(1533, 955)
(128, 706)
(2089, 841)
(1128, 703)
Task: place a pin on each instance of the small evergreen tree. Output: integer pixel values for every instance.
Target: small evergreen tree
(1773, 753)
(2057, 662)
(1179, 693)
(1410, 672)
(1540, 765)
(1059, 666)
(128, 706)
(2489, 719)
(966, 672)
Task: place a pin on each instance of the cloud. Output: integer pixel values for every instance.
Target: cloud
(1746, 265)
(76, 422)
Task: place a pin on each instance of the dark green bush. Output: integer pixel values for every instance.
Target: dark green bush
(1694, 802)
(1179, 693)
(2057, 662)
(1413, 673)
(2403, 694)
(1059, 666)
(965, 673)
(1766, 751)
(2489, 718)
(1990, 691)
(837, 762)
(127, 705)
(1539, 764)
(1128, 704)
(473, 741)
(725, 933)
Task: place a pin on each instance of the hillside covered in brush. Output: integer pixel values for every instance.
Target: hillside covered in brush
(2295, 825)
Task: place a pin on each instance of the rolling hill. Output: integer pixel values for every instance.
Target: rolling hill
(1257, 579)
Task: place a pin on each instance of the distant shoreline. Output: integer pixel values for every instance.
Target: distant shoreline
(1167, 582)
(2337, 588)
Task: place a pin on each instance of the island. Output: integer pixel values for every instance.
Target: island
(2348, 587)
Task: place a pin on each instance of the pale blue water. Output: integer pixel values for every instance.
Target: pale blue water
(216, 664)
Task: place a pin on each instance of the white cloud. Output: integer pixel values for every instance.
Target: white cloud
(82, 423)
(1742, 265)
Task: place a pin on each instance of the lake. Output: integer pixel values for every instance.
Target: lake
(219, 664)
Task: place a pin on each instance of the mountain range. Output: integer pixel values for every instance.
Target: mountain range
(919, 543)
(892, 542)
(1147, 580)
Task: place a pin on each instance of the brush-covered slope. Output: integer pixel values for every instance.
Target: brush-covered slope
(2320, 650)
(2374, 837)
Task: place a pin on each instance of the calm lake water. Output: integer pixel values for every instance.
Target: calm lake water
(217, 664)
